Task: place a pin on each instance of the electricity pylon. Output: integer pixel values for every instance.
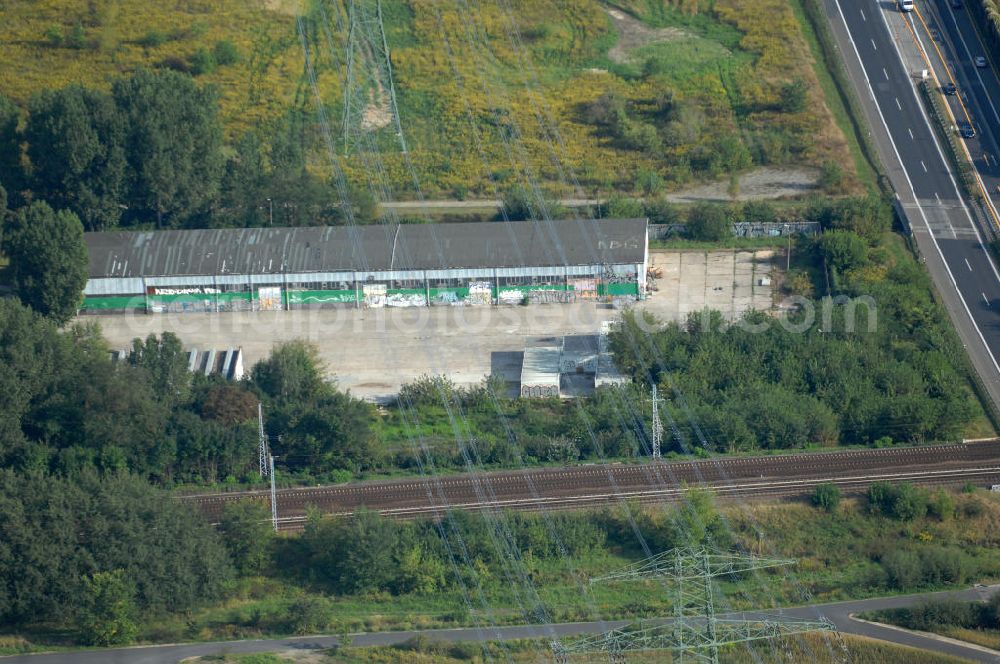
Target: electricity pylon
(369, 92)
(657, 425)
(694, 632)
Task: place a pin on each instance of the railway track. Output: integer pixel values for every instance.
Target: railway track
(775, 477)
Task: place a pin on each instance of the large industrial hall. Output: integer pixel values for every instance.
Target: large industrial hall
(394, 265)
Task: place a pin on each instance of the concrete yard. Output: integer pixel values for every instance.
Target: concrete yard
(732, 282)
(372, 352)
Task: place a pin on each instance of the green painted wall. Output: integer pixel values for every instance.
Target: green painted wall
(618, 289)
(99, 303)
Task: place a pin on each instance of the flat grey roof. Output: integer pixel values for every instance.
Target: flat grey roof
(378, 247)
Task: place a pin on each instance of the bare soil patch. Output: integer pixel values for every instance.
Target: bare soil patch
(633, 34)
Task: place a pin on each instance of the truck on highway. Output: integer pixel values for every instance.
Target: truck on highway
(906, 5)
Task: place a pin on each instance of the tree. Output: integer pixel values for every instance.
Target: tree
(793, 96)
(167, 364)
(48, 260)
(247, 533)
(826, 497)
(76, 144)
(109, 614)
(308, 614)
(292, 373)
(174, 143)
(843, 250)
(709, 222)
(11, 173)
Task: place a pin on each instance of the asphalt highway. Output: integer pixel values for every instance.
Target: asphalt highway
(952, 44)
(780, 476)
(883, 61)
(839, 613)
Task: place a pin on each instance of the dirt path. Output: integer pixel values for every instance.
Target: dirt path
(633, 34)
(759, 184)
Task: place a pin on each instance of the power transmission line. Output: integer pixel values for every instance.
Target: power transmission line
(694, 631)
(657, 425)
(262, 451)
(368, 86)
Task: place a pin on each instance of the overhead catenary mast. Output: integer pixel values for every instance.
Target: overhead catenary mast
(262, 451)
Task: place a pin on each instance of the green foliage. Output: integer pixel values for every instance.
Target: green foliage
(649, 182)
(54, 36)
(60, 535)
(794, 96)
(308, 615)
(226, 53)
(709, 222)
(624, 208)
(843, 250)
(832, 178)
(152, 39)
(248, 534)
(826, 497)
(48, 260)
(320, 428)
(108, 616)
(868, 216)
(173, 145)
(904, 502)
(759, 212)
(663, 212)
(11, 174)
(76, 144)
(292, 373)
(202, 62)
(927, 566)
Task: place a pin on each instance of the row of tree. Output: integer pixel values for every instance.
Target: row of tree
(66, 407)
(151, 152)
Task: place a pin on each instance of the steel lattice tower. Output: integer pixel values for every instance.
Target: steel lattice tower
(694, 632)
(368, 84)
(657, 428)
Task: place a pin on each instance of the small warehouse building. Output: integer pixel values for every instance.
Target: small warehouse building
(395, 265)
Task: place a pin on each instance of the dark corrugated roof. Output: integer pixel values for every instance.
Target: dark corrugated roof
(377, 247)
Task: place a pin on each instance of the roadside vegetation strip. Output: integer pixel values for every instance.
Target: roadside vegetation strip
(972, 622)
(845, 107)
(943, 127)
(988, 13)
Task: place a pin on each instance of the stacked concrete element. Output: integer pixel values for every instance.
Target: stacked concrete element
(540, 371)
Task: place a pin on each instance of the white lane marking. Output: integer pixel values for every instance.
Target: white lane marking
(985, 299)
(927, 224)
(924, 165)
(937, 197)
(911, 134)
(885, 73)
(898, 105)
(967, 265)
(863, 15)
(873, 45)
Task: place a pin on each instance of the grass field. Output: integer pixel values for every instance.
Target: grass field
(489, 96)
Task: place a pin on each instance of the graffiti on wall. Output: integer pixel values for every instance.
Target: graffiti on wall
(406, 300)
(269, 298)
(480, 293)
(585, 289)
(374, 295)
(551, 297)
